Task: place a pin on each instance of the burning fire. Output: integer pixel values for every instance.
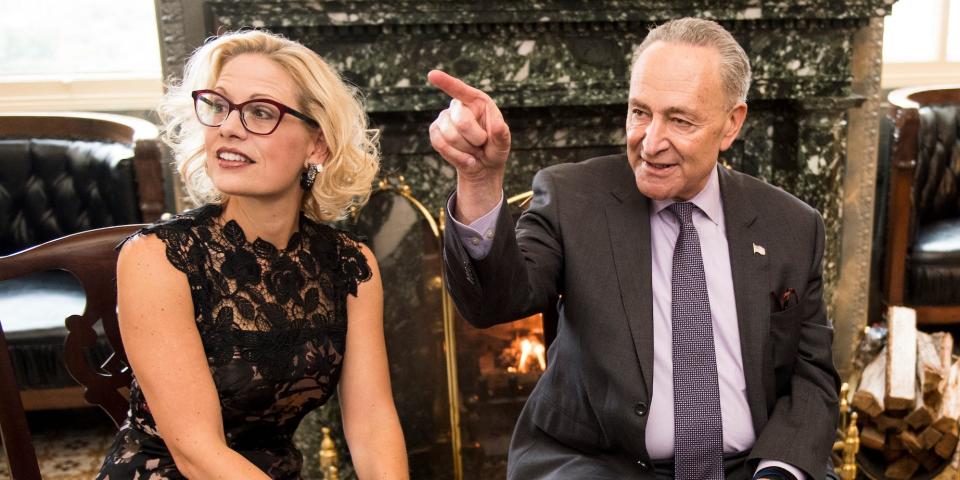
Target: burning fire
(531, 351)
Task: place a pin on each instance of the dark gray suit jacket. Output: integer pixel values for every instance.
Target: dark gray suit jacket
(586, 238)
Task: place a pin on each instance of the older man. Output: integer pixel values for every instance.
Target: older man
(693, 341)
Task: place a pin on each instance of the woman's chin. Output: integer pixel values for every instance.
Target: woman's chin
(260, 194)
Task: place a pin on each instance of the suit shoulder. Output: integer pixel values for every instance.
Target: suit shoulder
(608, 163)
(771, 197)
(589, 172)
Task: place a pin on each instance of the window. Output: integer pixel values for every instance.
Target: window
(921, 43)
(79, 55)
(953, 36)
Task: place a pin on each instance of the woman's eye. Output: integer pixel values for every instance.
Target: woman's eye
(262, 113)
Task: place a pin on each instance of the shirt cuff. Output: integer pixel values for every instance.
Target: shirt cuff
(786, 466)
(476, 238)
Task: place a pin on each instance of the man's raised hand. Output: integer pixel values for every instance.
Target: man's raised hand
(472, 136)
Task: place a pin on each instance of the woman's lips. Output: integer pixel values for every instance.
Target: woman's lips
(232, 159)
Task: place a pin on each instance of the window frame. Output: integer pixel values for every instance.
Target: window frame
(104, 92)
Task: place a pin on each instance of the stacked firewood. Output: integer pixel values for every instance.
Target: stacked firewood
(909, 399)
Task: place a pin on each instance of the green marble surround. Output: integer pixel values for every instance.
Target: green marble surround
(559, 71)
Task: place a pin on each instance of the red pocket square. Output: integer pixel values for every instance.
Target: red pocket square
(784, 301)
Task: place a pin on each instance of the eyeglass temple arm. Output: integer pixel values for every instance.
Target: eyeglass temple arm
(204, 100)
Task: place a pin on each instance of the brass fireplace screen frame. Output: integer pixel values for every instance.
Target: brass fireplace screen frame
(395, 184)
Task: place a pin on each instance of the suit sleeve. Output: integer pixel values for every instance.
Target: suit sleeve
(521, 274)
(802, 426)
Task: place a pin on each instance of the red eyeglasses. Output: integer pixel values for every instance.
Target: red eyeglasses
(260, 116)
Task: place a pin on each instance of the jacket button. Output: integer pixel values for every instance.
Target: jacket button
(640, 409)
(643, 465)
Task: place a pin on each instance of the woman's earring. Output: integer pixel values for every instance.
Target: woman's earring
(309, 175)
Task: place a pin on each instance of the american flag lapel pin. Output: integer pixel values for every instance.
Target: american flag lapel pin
(759, 250)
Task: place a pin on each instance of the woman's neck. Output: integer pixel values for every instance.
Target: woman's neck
(271, 221)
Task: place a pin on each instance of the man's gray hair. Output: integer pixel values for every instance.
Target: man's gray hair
(734, 65)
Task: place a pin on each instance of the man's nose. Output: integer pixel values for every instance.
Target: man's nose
(654, 138)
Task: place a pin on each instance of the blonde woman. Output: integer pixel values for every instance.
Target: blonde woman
(243, 315)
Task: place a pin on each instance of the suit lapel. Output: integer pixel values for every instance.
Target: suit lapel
(628, 221)
(751, 289)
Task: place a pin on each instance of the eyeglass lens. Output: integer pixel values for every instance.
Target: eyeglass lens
(257, 117)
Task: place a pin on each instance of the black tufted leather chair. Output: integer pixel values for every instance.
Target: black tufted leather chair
(63, 173)
(66, 173)
(923, 222)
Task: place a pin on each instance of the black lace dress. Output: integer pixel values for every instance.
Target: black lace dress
(273, 324)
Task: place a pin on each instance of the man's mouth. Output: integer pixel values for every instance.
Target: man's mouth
(658, 166)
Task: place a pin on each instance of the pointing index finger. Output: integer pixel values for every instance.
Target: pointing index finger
(454, 87)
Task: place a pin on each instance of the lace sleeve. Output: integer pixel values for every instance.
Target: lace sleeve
(354, 269)
(181, 245)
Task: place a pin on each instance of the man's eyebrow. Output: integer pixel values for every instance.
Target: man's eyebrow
(634, 103)
(680, 111)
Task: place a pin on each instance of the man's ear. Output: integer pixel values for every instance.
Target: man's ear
(733, 124)
(320, 152)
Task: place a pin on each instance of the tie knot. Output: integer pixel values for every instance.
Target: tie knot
(683, 211)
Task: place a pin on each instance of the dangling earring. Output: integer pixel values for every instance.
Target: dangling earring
(309, 175)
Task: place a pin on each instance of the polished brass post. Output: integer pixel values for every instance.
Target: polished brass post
(844, 404)
(848, 438)
(450, 348)
(329, 458)
(851, 445)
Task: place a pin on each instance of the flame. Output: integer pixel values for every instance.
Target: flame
(531, 347)
(541, 352)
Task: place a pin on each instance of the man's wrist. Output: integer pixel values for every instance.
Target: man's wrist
(474, 199)
(774, 473)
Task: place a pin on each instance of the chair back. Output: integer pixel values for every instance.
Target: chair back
(924, 185)
(67, 172)
(935, 113)
(91, 257)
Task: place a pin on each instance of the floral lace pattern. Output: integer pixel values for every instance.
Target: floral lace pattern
(273, 325)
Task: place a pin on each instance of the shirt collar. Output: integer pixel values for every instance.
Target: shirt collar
(708, 200)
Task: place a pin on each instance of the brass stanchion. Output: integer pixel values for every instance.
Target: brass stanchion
(847, 444)
(851, 445)
(329, 458)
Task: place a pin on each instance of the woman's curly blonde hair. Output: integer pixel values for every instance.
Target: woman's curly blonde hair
(353, 156)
